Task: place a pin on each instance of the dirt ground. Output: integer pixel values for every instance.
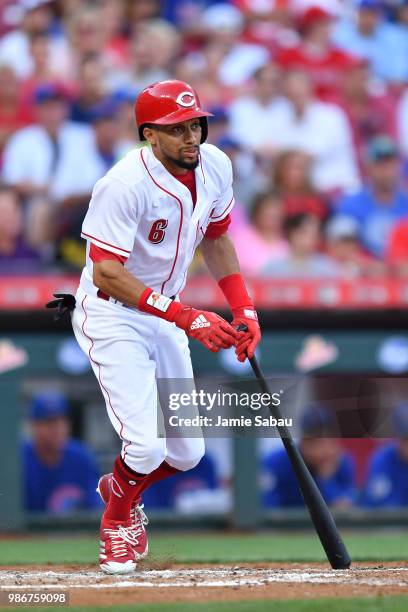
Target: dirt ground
(169, 582)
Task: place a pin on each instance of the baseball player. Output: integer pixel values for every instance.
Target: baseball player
(146, 217)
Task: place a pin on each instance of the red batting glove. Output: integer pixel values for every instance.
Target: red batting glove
(243, 312)
(247, 343)
(207, 327)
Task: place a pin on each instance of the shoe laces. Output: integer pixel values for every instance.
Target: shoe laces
(139, 518)
(120, 540)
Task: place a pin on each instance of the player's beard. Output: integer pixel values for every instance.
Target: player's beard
(181, 163)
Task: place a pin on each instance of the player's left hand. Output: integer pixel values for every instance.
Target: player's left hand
(65, 304)
(247, 343)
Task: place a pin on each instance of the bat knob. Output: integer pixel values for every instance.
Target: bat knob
(242, 327)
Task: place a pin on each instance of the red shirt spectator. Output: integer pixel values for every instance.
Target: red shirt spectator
(13, 113)
(358, 94)
(315, 54)
(291, 179)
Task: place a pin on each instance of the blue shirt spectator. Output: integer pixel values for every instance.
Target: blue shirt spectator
(332, 469)
(383, 43)
(60, 474)
(68, 485)
(281, 490)
(387, 479)
(381, 202)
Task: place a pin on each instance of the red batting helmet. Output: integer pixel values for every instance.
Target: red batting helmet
(168, 102)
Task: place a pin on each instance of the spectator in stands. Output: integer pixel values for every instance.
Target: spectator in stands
(91, 89)
(70, 208)
(292, 180)
(15, 254)
(127, 136)
(42, 161)
(186, 490)
(15, 46)
(263, 234)
(114, 21)
(357, 94)
(332, 468)
(248, 177)
(153, 48)
(315, 54)
(222, 25)
(369, 36)
(14, 113)
(382, 201)
(86, 38)
(201, 70)
(387, 478)
(60, 474)
(265, 103)
(320, 130)
(269, 23)
(303, 233)
(42, 71)
(343, 246)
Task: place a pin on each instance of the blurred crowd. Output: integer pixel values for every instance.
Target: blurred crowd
(309, 97)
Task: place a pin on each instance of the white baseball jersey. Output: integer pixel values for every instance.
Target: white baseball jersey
(141, 211)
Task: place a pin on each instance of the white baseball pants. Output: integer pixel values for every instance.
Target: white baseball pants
(128, 350)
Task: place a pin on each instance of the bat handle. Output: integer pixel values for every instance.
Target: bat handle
(242, 327)
(252, 360)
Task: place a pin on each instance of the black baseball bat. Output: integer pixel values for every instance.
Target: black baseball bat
(320, 514)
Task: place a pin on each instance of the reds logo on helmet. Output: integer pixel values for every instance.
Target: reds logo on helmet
(186, 99)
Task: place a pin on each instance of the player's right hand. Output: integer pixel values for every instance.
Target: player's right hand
(211, 330)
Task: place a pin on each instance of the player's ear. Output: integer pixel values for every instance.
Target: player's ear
(150, 135)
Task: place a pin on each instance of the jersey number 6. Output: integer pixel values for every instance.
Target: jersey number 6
(157, 233)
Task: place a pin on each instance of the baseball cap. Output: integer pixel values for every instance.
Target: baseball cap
(48, 405)
(382, 147)
(400, 420)
(50, 91)
(316, 420)
(312, 15)
(342, 227)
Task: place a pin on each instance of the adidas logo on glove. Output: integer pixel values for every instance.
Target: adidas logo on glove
(200, 322)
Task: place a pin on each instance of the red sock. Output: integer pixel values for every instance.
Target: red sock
(126, 485)
(163, 471)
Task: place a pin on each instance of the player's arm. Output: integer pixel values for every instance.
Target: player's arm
(111, 277)
(221, 259)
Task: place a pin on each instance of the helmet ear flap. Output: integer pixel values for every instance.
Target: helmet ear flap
(204, 129)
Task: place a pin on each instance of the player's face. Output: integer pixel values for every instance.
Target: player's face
(177, 146)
